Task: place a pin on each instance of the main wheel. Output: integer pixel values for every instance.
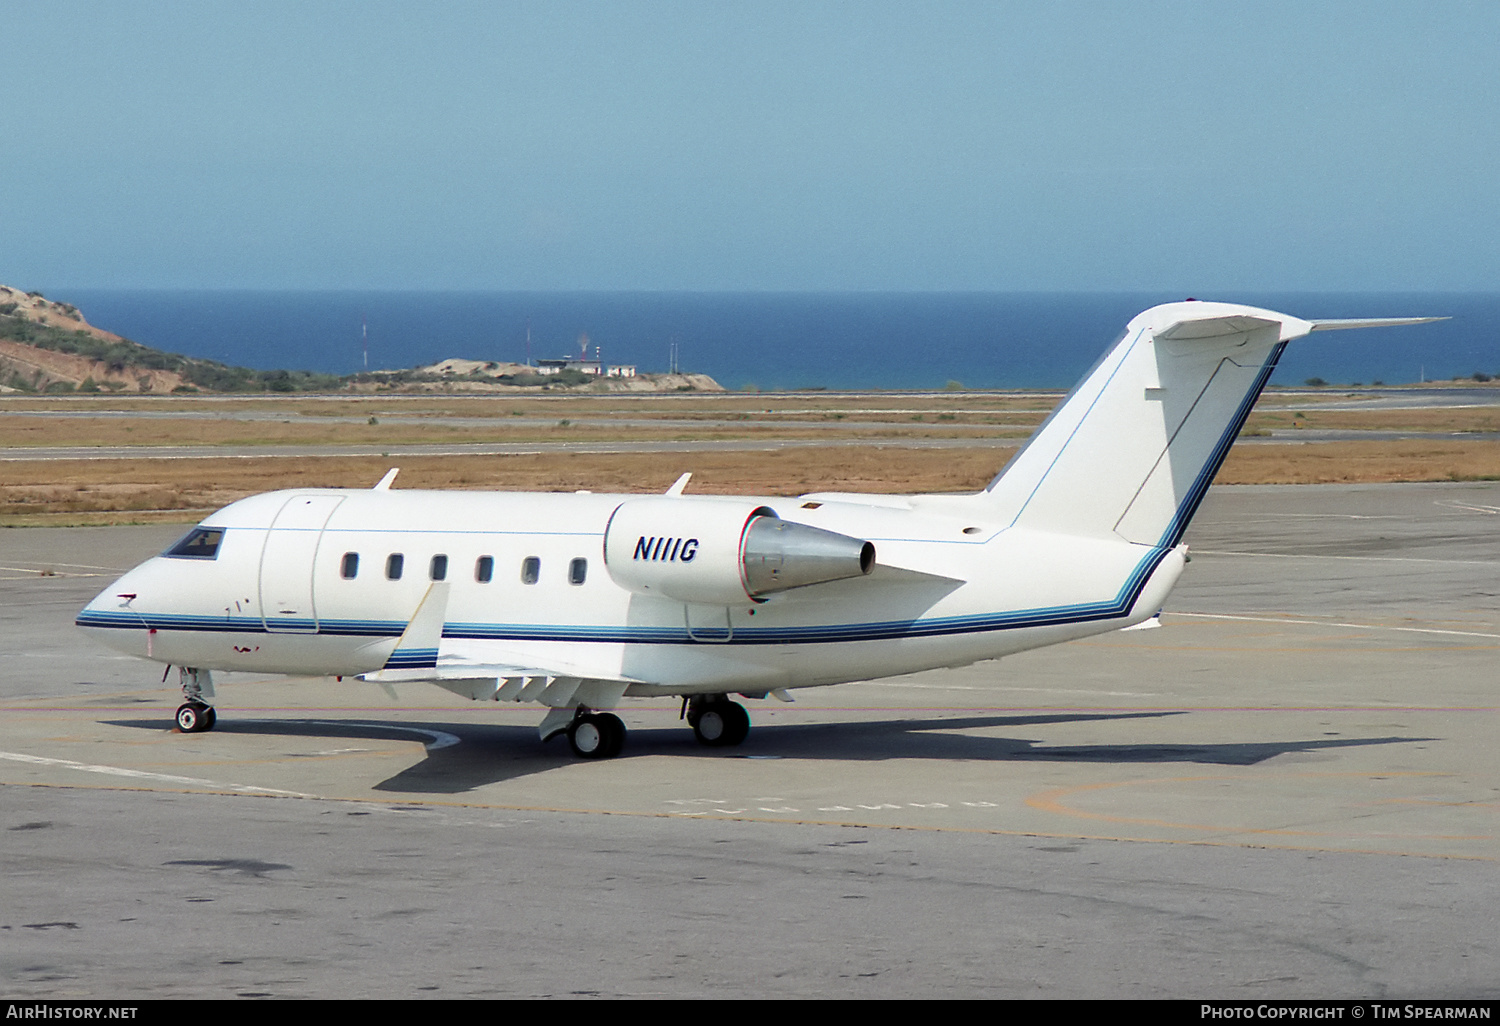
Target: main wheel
(194, 717)
(614, 730)
(596, 736)
(721, 724)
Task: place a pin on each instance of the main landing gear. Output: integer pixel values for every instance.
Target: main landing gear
(195, 715)
(594, 735)
(716, 721)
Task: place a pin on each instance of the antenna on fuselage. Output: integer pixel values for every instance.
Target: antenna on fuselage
(384, 484)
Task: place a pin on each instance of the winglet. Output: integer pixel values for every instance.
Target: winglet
(680, 485)
(384, 484)
(418, 646)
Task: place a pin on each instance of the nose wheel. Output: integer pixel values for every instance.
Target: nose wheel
(718, 722)
(195, 717)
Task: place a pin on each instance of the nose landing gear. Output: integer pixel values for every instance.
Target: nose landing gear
(195, 715)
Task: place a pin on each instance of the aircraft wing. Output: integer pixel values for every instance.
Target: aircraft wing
(481, 676)
(450, 671)
(562, 693)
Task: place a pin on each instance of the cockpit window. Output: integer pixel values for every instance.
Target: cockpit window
(200, 543)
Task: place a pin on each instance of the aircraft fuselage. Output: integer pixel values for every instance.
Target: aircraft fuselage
(307, 582)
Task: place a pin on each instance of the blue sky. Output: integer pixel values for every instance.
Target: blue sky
(786, 146)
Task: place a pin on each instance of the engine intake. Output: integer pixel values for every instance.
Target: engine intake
(721, 552)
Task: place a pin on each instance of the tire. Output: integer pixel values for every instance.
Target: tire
(589, 738)
(736, 724)
(721, 724)
(614, 729)
(192, 717)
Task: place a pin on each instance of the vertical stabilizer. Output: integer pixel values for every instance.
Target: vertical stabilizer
(1131, 451)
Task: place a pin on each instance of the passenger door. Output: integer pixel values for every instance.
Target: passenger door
(287, 561)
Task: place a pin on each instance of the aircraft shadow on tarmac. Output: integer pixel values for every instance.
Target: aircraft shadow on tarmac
(490, 753)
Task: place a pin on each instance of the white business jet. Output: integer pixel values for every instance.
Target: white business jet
(576, 601)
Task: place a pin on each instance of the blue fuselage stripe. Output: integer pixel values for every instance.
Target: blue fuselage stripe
(811, 634)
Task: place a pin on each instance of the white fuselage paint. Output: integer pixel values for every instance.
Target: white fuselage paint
(273, 599)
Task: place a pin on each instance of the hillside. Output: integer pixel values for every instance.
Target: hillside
(46, 346)
(50, 347)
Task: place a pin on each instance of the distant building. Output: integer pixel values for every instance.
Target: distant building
(556, 366)
(621, 371)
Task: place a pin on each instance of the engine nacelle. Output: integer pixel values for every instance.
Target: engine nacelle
(722, 552)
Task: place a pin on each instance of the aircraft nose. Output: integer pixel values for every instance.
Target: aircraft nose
(112, 603)
(112, 619)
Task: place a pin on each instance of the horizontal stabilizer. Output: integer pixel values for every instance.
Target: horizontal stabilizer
(1214, 327)
(1339, 324)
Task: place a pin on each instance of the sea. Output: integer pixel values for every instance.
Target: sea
(777, 341)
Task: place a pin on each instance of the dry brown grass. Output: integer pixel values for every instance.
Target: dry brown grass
(120, 491)
(1482, 418)
(129, 490)
(31, 432)
(1373, 462)
(34, 432)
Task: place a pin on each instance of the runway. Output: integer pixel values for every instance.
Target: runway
(836, 424)
(1290, 790)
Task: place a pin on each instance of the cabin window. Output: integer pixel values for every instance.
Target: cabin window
(393, 566)
(531, 570)
(199, 543)
(350, 567)
(578, 571)
(484, 569)
(438, 571)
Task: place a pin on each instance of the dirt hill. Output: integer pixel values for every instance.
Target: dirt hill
(492, 375)
(51, 347)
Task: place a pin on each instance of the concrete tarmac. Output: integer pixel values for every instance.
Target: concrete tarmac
(1289, 790)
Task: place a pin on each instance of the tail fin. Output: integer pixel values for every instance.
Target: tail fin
(1133, 448)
